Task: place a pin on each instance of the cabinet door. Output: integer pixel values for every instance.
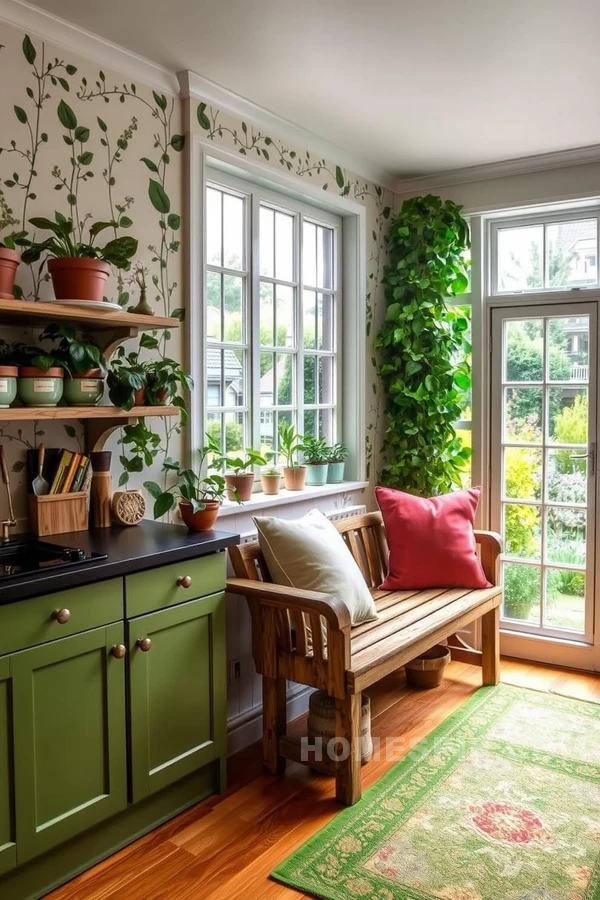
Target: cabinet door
(178, 692)
(8, 847)
(70, 738)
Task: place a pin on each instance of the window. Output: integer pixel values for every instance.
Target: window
(273, 316)
(550, 252)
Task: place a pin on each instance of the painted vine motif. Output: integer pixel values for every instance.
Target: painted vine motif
(250, 141)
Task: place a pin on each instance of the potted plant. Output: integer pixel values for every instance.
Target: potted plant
(164, 377)
(270, 480)
(200, 496)
(338, 454)
(41, 375)
(294, 475)
(126, 380)
(316, 457)
(84, 362)
(79, 270)
(8, 375)
(238, 479)
(9, 255)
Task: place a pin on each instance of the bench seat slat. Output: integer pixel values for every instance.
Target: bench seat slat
(391, 646)
(392, 605)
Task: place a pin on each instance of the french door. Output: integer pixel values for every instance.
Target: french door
(543, 476)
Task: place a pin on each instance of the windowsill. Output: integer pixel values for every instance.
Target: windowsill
(284, 498)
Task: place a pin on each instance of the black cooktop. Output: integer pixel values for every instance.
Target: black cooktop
(30, 556)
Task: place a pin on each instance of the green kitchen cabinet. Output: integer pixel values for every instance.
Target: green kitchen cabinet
(178, 692)
(69, 737)
(8, 847)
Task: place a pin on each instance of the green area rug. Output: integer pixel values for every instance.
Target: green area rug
(501, 802)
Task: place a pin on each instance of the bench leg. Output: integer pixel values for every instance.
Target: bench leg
(274, 723)
(490, 646)
(348, 788)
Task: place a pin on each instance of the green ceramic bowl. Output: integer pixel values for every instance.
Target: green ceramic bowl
(8, 385)
(39, 388)
(85, 389)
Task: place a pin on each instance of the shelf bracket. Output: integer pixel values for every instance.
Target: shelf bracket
(98, 431)
(118, 337)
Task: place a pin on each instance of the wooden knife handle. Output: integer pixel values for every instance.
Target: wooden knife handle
(41, 455)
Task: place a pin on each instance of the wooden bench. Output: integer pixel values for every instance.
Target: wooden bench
(352, 658)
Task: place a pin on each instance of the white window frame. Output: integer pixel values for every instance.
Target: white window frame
(203, 155)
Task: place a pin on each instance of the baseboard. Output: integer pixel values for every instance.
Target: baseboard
(246, 728)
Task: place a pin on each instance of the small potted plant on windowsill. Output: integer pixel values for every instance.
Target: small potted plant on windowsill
(200, 496)
(271, 481)
(82, 358)
(316, 457)
(338, 454)
(79, 269)
(238, 479)
(294, 475)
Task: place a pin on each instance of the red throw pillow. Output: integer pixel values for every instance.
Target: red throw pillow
(431, 540)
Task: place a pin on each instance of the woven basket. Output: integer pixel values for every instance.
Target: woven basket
(321, 721)
(427, 670)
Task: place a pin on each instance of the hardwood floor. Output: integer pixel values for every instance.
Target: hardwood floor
(226, 846)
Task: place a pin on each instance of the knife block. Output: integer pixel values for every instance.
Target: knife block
(57, 513)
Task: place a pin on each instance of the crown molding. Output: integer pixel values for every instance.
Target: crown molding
(198, 87)
(524, 165)
(51, 28)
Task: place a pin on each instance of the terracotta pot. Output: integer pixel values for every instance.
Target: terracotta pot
(140, 397)
(78, 278)
(271, 483)
(204, 519)
(294, 477)
(242, 483)
(427, 670)
(9, 263)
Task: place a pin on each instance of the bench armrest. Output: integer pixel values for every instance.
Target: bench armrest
(333, 610)
(491, 548)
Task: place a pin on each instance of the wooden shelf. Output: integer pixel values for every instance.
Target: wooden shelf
(27, 413)
(99, 421)
(30, 312)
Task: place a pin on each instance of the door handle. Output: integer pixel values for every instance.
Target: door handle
(591, 455)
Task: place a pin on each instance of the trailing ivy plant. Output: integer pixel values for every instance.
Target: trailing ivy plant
(425, 355)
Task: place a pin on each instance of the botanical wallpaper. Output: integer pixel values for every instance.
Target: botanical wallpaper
(87, 143)
(82, 141)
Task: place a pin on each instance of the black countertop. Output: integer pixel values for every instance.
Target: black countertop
(127, 550)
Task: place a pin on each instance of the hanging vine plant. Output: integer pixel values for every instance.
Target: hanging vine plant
(425, 354)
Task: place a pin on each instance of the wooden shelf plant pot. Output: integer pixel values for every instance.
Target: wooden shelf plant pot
(84, 388)
(9, 263)
(78, 278)
(39, 387)
(8, 385)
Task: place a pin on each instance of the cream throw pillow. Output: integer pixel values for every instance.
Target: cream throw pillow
(310, 553)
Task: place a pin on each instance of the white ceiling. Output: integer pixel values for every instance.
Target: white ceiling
(412, 87)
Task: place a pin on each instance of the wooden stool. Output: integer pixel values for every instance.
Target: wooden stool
(321, 721)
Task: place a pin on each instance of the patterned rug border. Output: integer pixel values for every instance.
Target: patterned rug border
(287, 871)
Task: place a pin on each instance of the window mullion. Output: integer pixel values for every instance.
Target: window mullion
(299, 316)
(253, 245)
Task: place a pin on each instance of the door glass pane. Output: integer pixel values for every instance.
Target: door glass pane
(565, 606)
(523, 414)
(572, 249)
(568, 349)
(522, 473)
(566, 476)
(521, 258)
(522, 592)
(523, 530)
(524, 350)
(568, 415)
(565, 535)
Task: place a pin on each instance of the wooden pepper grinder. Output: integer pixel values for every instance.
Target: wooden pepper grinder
(101, 490)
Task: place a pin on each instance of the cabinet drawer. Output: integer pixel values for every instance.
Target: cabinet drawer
(31, 622)
(156, 589)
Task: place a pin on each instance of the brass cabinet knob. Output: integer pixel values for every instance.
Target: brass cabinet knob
(119, 651)
(184, 581)
(144, 644)
(61, 616)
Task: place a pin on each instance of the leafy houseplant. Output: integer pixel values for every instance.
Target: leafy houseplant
(200, 496)
(41, 375)
(270, 480)
(290, 443)
(238, 479)
(82, 358)
(126, 379)
(425, 368)
(79, 270)
(338, 454)
(143, 446)
(316, 457)
(164, 377)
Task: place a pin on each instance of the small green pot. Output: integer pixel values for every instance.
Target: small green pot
(8, 385)
(316, 473)
(39, 388)
(85, 388)
(336, 472)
